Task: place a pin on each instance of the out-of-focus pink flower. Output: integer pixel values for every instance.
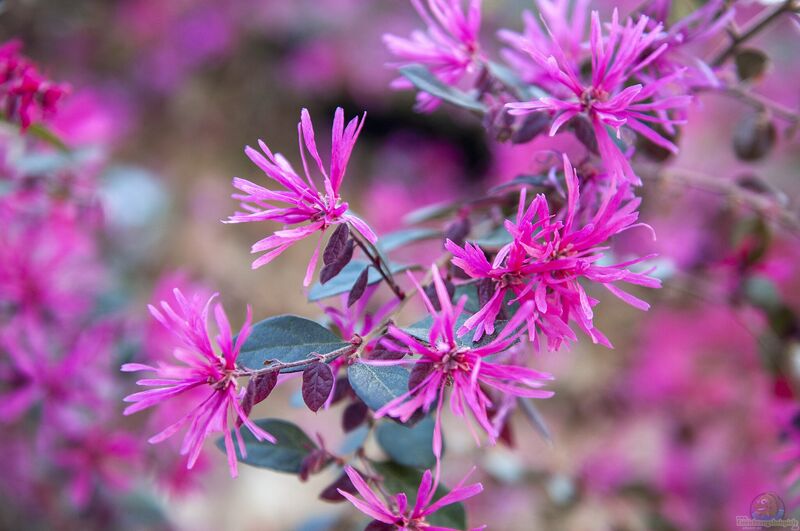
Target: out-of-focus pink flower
(444, 363)
(396, 513)
(449, 48)
(25, 95)
(607, 99)
(304, 202)
(201, 367)
(555, 29)
(547, 258)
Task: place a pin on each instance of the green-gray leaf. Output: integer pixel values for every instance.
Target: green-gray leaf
(377, 385)
(401, 238)
(409, 446)
(286, 338)
(425, 81)
(286, 455)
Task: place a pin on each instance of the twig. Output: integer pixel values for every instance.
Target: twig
(754, 100)
(759, 203)
(738, 39)
(277, 366)
(375, 257)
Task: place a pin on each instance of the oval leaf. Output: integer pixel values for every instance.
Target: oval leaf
(401, 238)
(377, 385)
(286, 338)
(258, 389)
(317, 385)
(358, 288)
(408, 446)
(424, 80)
(292, 446)
(342, 282)
(336, 245)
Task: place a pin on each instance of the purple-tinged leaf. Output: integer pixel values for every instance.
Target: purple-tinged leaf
(584, 132)
(377, 525)
(358, 287)
(258, 389)
(331, 492)
(335, 267)
(336, 245)
(380, 353)
(317, 385)
(750, 63)
(354, 415)
(341, 390)
(313, 463)
(419, 372)
(532, 126)
(430, 291)
(754, 137)
(458, 230)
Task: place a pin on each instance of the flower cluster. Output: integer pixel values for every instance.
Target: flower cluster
(200, 366)
(549, 254)
(300, 201)
(468, 370)
(25, 95)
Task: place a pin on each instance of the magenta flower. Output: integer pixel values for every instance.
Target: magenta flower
(301, 201)
(449, 48)
(25, 95)
(608, 99)
(395, 511)
(201, 367)
(555, 29)
(548, 257)
(443, 363)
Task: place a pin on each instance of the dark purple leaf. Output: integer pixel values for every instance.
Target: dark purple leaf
(750, 63)
(430, 291)
(380, 353)
(313, 463)
(317, 385)
(336, 245)
(331, 492)
(377, 525)
(457, 230)
(486, 289)
(358, 287)
(584, 132)
(419, 373)
(334, 268)
(354, 415)
(532, 126)
(341, 390)
(754, 137)
(258, 389)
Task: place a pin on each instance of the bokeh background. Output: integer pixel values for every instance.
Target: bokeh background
(679, 427)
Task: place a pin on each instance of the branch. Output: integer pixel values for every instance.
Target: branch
(375, 257)
(759, 203)
(756, 27)
(277, 366)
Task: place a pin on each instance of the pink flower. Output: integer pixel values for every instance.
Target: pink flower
(608, 99)
(556, 29)
(395, 511)
(25, 95)
(444, 363)
(201, 367)
(304, 202)
(547, 258)
(448, 48)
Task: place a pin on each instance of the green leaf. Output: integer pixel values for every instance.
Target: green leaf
(286, 455)
(41, 132)
(509, 78)
(409, 446)
(398, 478)
(377, 385)
(495, 239)
(287, 338)
(424, 80)
(430, 212)
(401, 238)
(343, 282)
